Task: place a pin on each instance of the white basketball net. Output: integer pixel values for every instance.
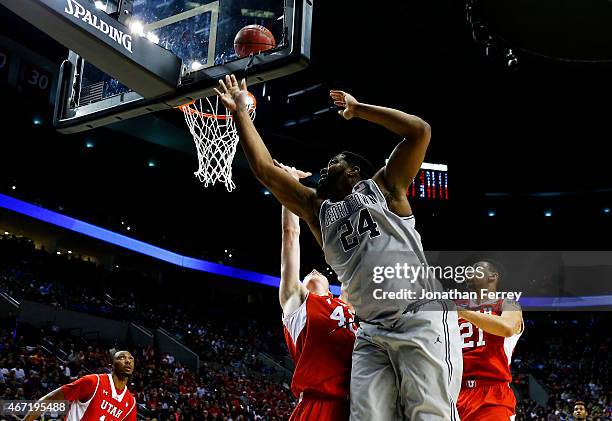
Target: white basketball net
(215, 137)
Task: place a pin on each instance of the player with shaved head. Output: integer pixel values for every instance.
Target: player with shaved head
(98, 397)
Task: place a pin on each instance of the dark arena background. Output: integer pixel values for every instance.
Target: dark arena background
(108, 241)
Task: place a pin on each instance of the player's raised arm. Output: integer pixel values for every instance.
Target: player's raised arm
(292, 292)
(408, 155)
(508, 324)
(299, 199)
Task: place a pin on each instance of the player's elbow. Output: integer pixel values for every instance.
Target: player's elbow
(263, 172)
(260, 175)
(507, 330)
(290, 234)
(291, 239)
(419, 132)
(424, 132)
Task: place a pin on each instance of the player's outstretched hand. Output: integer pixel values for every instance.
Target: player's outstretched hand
(294, 172)
(346, 102)
(232, 94)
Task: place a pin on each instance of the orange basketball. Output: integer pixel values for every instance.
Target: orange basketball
(253, 39)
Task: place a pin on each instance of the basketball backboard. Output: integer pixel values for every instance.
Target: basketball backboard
(201, 33)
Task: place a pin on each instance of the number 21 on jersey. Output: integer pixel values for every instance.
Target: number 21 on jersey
(467, 336)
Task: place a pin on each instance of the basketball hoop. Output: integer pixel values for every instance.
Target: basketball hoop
(215, 137)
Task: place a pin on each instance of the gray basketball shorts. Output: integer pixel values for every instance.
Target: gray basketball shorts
(411, 371)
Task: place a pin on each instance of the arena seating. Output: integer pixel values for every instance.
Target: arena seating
(569, 367)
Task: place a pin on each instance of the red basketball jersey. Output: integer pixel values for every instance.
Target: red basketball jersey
(486, 356)
(320, 336)
(94, 398)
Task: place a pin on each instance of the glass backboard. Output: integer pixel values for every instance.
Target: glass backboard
(202, 34)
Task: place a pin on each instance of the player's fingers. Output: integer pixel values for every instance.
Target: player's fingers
(340, 104)
(282, 166)
(234, 81)
(223, 85)
(218, 92)
(228, 81)
(243, 84)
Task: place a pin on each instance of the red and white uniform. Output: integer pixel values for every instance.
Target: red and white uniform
(320, 336)
(94, 398)
(485, 389)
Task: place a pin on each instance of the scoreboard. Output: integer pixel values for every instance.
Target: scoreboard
(32, 75)
(34, 81)
(431, 183)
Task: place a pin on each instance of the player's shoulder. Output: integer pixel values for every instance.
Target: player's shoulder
(368, 185)
(90, 378)
(339, 300)
(315, 302)
(297, 312)
(322, 304)
(82, 388)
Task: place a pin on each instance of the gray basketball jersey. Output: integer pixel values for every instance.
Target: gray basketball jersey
(372, 250)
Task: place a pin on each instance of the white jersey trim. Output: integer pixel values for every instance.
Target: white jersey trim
(509, 345)
(131, 409)
(77, 408)
(321, 221)
(510, 342)
(377, 187)
(114, 391)
(296, 321)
